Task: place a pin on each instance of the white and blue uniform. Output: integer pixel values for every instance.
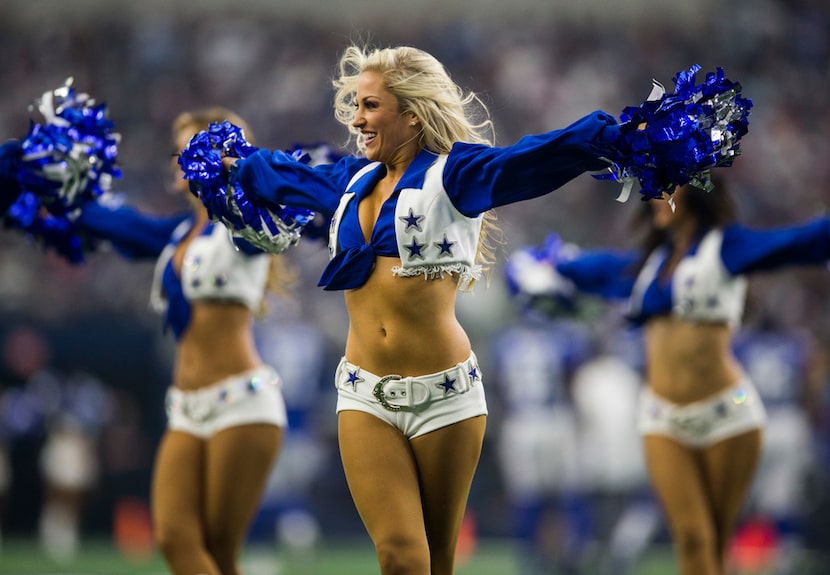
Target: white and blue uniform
(707, 285)
(215, 267)
(432, 221)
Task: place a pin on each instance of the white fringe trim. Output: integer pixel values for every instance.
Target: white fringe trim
(467, 274)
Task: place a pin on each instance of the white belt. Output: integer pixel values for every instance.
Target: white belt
(199, 405)
(397, 393)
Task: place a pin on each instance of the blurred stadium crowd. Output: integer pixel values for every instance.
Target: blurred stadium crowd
(84, 363)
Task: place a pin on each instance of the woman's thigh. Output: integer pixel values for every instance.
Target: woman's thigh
(238, 463)
(383, 480)
(447, 460)
(729, 469)
(678, 479)
(177, 486)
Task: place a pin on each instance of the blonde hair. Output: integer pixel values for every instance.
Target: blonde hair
(281, 275)
(422, 86)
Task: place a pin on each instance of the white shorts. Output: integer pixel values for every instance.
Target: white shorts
(731, 412)
(251, 397)
(414, 405)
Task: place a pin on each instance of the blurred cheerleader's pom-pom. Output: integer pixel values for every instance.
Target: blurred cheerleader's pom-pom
(71, 156)
(532, 279)
(65, 160)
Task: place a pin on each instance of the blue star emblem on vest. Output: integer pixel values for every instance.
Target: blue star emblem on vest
(444, 247)
(411, 221)
(447, 385)
(415, 249)
(354, 378)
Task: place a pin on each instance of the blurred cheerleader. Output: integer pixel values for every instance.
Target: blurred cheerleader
(226, 414)
(700, 416)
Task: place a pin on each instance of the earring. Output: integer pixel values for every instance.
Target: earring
(412, 123)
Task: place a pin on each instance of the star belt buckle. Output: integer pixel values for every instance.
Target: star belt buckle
(381, 397)
(696, 426)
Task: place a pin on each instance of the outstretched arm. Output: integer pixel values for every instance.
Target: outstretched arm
(745, 250)
(278, 179)
(479, 177)
(605, 273)
(133, 234)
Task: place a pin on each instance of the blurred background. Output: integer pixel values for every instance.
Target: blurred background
(84, 364)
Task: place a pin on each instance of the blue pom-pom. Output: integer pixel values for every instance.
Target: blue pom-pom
(675, 138)
(53, 232)
(67, 159)
(268, 228)
(70, 157)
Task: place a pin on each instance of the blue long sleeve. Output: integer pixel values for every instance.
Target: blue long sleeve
(603, 273)
(133, 234)
(479, 177)
(746, 250)
(276, 178)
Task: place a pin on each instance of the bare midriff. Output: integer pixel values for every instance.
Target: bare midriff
(689, 361)
(217, 344)
(404, 325)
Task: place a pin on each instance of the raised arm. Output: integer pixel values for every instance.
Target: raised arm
(133, 234)
(746, 250)
(479, 177)
(605, 273)
(276, 178)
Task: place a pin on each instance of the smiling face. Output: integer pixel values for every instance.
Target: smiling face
(389, 136)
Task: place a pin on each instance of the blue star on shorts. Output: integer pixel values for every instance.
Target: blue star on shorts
(447, 385)
(354, 379)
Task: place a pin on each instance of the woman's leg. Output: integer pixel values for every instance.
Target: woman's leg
(177, 495)
(238, 462)
(383, 480)
(729, 467)
(678, 478)
(447, 459)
